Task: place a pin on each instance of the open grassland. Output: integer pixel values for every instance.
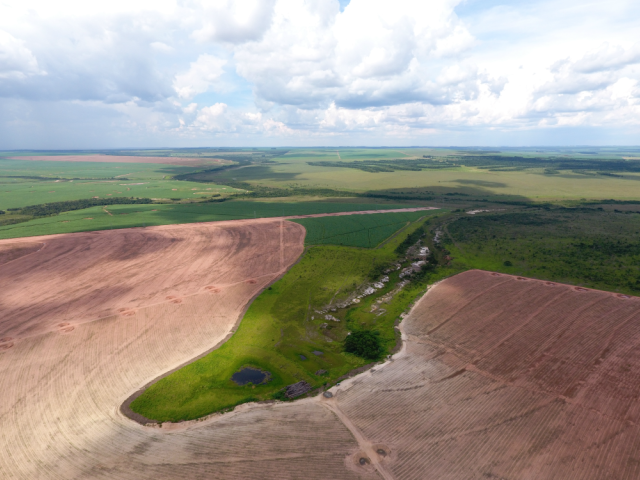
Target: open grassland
(282, 329)
(593, 247)
(126, 216)
(364, 231)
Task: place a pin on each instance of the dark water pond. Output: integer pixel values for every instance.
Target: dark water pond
(250, 375)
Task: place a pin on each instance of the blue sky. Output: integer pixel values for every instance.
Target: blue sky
(318, 72)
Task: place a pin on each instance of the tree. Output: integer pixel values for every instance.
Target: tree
(364, 344)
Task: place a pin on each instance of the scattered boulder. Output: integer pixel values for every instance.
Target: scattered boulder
(321, 372)
(297, 389)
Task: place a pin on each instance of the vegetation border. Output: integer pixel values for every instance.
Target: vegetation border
(125, 408)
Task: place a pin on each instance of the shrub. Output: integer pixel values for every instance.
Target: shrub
(508, 263)
(364, 344)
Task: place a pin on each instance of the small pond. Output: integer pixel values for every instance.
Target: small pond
(250, 375)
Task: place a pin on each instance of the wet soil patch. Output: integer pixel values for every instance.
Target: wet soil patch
(251, 375)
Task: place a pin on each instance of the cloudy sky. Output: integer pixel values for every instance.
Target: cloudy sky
(152, 73)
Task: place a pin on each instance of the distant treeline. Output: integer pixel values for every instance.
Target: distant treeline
(552, 165)
(378, 166)
(54, 208)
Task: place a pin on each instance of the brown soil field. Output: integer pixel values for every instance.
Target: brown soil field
(510, 378)
(185, 161)
(11, 251)
(82, 277)
(498, 376)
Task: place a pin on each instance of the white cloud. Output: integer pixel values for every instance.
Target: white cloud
(305, 69)
(202, 75)
(16, 60)
(234, 21)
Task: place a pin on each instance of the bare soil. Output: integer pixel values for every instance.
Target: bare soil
(508, 377)
(498, 376)
(82, 277)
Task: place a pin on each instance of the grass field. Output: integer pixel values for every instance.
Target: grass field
(365, 231)
(126, 216)
(56, 182)
(281, 325)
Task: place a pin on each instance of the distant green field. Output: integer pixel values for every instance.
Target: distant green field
(125, 216)
(138, 180)
(280, 326)
(20, 193)
(293, 170)
(364, 231)
(94, 170)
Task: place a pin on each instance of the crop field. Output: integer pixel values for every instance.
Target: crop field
(499, 377)
(282, 329)
(21, 193)
(127, 216)
(24, 183)
(90, 318)
(365, 231)
(110, 311)
(125, 320)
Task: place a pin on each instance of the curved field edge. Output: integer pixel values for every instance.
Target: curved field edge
(146, 215)
(279, 326)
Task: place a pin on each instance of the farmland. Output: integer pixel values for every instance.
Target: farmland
(605, 175)
(526, 372)
(365, 231)
(127, 216)
(282, 329)
(25, 183)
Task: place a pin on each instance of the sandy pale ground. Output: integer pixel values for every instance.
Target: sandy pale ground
(499, 377)
(185, 161)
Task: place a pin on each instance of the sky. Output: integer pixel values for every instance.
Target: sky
(197, 73)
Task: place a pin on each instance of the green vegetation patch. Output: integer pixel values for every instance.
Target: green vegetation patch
(284, 333)
(127, 216)
(583, 246)
(365, 231)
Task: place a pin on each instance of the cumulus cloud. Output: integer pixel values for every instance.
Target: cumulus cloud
(371, 54)
(16, 60)
(202, 75)
(323, 68)
(608, 57)
(234, 21)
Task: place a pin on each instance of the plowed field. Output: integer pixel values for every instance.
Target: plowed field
(499, 377)
(507, 377)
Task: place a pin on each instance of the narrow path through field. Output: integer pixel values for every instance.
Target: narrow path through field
(366, 446)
